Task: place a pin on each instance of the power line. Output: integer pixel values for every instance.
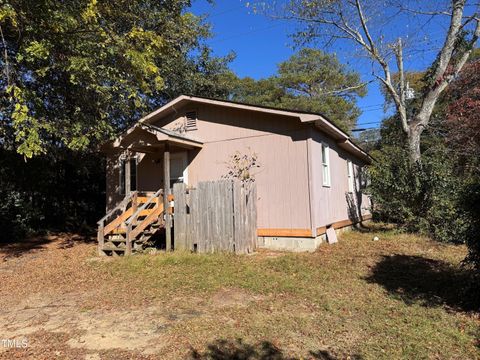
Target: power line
(225, 11)
(373, 105)
(368, 110)
(363, 129)
(370, 123)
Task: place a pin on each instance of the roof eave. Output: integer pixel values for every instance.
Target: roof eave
(160, 134)
(350, 147)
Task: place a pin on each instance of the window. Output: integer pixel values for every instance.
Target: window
(190, 120)
(123, 175)
(326, 165)
(133, 174)
(350, 176)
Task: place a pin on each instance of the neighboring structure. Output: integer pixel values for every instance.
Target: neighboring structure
(308, 171)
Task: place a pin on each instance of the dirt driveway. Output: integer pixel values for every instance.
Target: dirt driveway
(56, 305)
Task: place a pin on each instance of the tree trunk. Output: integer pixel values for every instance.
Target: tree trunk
(414, 133)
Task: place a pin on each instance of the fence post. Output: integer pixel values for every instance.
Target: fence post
(128, 240)
(166, 192)
(101, 239)
(180, 216)
(222, 216)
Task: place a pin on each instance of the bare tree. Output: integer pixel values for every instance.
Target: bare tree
(333, 20)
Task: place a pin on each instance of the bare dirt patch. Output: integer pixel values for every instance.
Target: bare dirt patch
(51, 291)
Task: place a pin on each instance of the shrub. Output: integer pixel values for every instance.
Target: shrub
(62, 191)
(471, 206)
(426, 199)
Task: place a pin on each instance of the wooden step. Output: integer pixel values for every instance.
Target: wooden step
(116, 240)
(150, 231)
(108, 247)
(120, 230)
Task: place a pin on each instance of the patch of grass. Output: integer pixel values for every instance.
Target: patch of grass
(374, 299)
(396, 298)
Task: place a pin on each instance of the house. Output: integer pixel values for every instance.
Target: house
(308, 172)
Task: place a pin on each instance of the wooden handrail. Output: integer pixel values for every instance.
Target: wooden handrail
(126, 221)
(143, 207)
(122, 204)
(147, 221)
(118, 221)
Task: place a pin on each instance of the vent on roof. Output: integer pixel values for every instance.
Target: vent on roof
(191, 120)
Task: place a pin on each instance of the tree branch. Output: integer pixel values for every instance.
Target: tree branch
(442, 81)
(420, 12)
(387, 80)
(449, 45)
(402, 109)
(347, 89)
(363, 21)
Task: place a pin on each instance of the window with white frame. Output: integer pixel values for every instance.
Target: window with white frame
(326, 164)
(350, 176)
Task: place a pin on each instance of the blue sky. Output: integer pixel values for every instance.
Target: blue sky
(260, 43)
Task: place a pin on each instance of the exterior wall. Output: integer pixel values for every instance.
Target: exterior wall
(334, 204)
(280, 143)
(291, 197)
(149, 169)
(149, 176)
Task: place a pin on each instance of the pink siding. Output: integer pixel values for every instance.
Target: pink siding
(329, 204)
(217, 123)
(280, 143)
(289, 179)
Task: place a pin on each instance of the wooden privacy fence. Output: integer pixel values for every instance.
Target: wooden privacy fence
(215, 216)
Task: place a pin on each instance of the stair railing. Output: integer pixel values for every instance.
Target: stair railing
(104, 228)
(151, 216)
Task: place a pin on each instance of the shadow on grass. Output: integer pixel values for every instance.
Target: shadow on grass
(41, 242)
(415, 279)
(238, 350)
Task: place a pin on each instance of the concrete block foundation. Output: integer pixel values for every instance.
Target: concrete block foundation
(296, 244)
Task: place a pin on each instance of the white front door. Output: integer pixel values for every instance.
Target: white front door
(178, 168)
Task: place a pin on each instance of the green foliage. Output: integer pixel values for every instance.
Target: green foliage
(61, 190)
(415, 79)
(442, 197)
(368, 139)
(471, 207)
(77, 72)
(426, 198)
(310, 80)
